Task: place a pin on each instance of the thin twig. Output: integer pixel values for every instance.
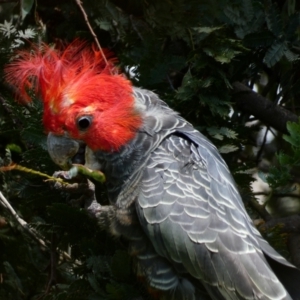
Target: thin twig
(277, 195)
(53, 264)
(273, 132)
(135, 28)
(259, 153)
(261, 209)
(255, 104)
(91, 29)
(31, 171)
(4, 202)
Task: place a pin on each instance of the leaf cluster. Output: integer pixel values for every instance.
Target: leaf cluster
(282, 175)
(188, 51)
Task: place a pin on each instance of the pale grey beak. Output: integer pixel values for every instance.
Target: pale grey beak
(62, 149)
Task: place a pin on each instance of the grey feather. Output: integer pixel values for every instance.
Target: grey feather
(201, 244)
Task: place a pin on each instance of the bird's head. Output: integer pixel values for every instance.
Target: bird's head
(85, 98)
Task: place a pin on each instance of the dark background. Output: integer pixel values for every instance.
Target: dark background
(229, 67)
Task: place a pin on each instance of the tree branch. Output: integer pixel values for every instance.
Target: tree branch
(4, 202)
(251, 102)
(85, 16)
(294, 248)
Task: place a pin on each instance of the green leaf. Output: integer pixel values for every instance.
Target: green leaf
(14, 148)
(283, 159)
(234, 15)
(275, 53)
(216, 104)
(252, 26)
(104, 24)
(278, 176)
(219, 133)
(228, 148)
(221, 54)
(207, 29)
(290, 55)
(294, 131)
(28, 33)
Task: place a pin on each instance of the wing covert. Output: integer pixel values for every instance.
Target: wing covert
(192, 212)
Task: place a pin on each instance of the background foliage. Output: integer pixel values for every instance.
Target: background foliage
(191, 53)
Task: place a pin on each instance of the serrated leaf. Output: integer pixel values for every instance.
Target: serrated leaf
(228, 148)
(216, 105)
(225, 79)
(290, 55)
(252, 26)
(234, 15)
(294, 131)
(283, 159)
(207, 29)
(229, 133)
(27, 33)
(221, 54)
(219, 133)
(104, 24)
(206, 82)
(7, 28)
(278, 176)
(275, 53)
(217, 136)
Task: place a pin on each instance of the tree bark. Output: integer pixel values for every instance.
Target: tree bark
(265, 110)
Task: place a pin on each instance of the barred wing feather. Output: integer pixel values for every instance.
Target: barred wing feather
(192, 212)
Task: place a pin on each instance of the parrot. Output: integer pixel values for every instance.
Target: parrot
(171, 194)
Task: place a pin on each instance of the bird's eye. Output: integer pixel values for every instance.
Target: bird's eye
(84, 122)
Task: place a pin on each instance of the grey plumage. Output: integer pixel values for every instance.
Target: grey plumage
(173, 198)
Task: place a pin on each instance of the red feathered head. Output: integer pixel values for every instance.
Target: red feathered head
(83, 95)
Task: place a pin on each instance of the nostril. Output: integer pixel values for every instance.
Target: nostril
(79, 157)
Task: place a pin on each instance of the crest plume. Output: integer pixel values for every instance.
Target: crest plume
(46, 68)
(73, 81)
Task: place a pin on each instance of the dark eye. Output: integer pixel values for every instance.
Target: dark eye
(84, 122)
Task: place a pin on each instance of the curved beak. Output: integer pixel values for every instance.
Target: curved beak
(62, 149)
